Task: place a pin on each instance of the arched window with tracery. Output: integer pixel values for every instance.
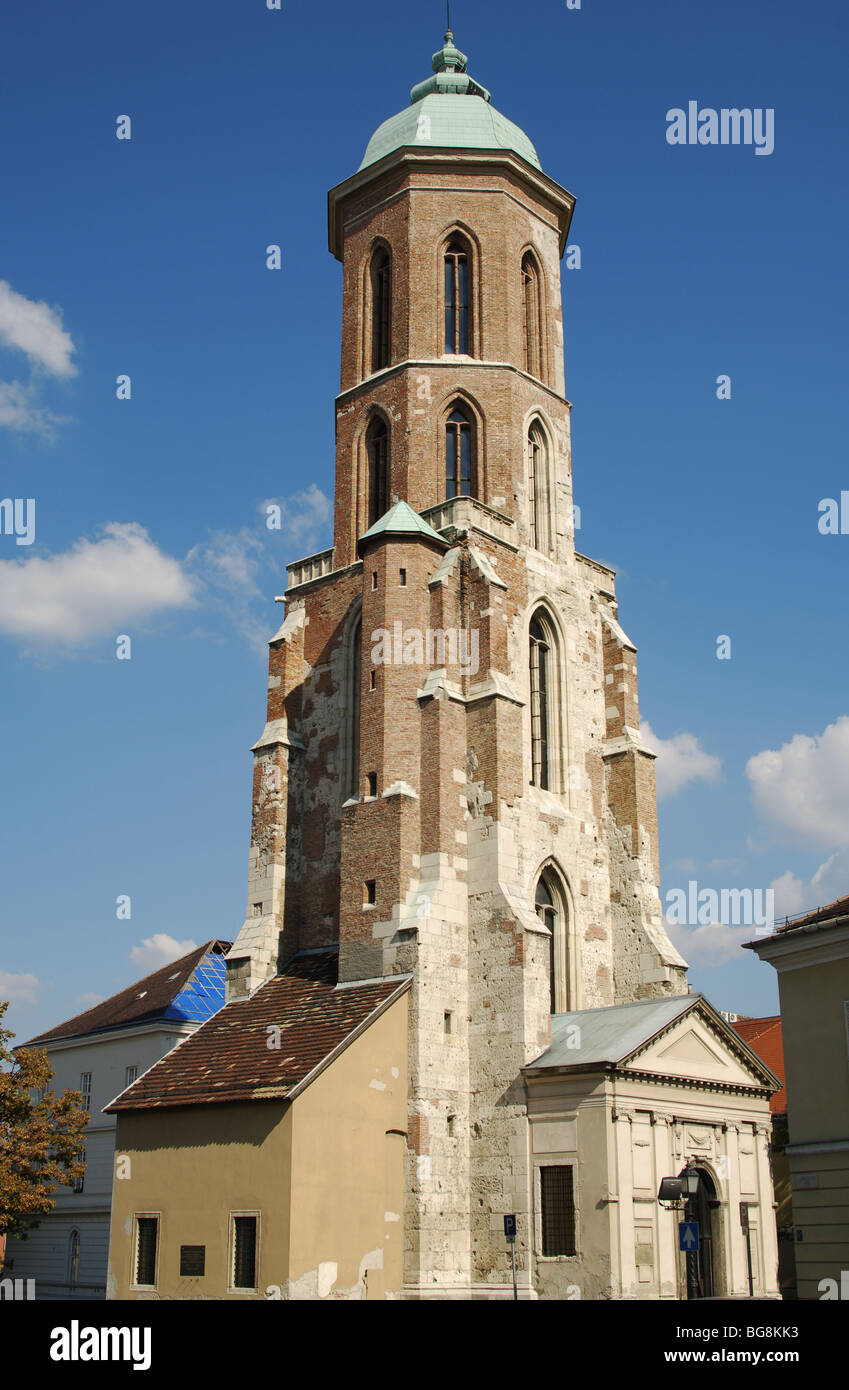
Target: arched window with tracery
(539, 489)
(381, 308)
(458, 298)
(552, 907)
(377, 451)
(460, 461)
(532, 315)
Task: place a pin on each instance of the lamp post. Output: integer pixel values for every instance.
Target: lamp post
(690, 1185)
(682, 1191)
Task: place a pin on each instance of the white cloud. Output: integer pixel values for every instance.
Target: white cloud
(305, 518)
(711, 945)
(680, 759)
(95, 588)
(19, 989)
(158, 950)
(18, 411)
(36, 329)
(831, 880)
(803, 787)
(241, 569)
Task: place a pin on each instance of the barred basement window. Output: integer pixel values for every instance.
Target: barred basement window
(377, 450)
(244, 1252)
(130, 1075)
(457, 298)
(192, 1261)
(557, 1206)
(147, 1231)
(381, 306)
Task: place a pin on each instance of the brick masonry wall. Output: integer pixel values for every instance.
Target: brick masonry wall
(456, 836)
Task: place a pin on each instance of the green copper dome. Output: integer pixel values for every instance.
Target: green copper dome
(449, 110)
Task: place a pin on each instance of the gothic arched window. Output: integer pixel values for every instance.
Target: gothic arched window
(532, 315)
(381, 308)
(377, 450)
(542, 684)
(459, 455)
(458, 325)
(74, 1257)
(552, 908)
(539, 489)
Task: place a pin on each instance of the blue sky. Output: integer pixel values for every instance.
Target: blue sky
(147, 257)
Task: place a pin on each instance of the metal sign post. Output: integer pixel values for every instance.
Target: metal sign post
(744, 1222)
(510, 1236)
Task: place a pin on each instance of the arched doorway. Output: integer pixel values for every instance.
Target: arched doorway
(701, 1281)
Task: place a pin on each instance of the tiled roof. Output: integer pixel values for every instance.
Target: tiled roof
(830, 913)
(764, 1037)
(229, 1057)
(171, 992)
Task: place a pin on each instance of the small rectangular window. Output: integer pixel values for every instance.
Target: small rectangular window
(371, 782)
(79, 1183)
(130, 1075)
(446, 1022)
(403, 578)
(451, 1119)
(85, 1087)
(373, 681)
(147, 1230)
(557, 1202)
(244, 1252)
(371, 891)
(374, 579)
(192, 1260)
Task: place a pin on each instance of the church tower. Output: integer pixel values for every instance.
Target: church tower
(451, 783)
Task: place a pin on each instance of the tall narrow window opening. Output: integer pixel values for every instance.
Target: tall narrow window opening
(459, 464)
(552, 908)
(540, 674)
(381, 303)
(532, 315)
(354, 675)
(377, 449)
(539, 507)
(457, 316)
(73, 1257)
(147, 1230)
(244, 1252)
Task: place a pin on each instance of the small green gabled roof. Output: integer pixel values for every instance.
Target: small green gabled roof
(401, 520)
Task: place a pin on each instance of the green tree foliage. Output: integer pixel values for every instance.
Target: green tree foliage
(41, 1135)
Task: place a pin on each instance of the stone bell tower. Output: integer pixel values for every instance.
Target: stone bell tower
(451, 782)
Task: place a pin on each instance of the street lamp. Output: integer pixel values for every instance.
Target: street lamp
(682, 1190)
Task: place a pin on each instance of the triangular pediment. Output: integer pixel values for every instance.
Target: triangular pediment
(696, 1047)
